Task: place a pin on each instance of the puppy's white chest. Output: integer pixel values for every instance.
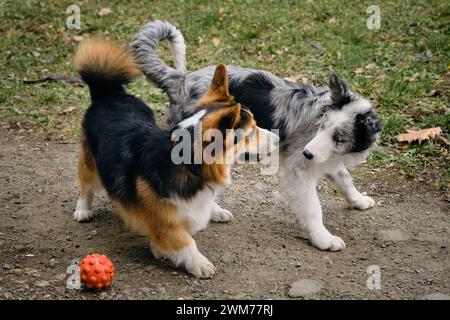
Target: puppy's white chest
(196, 211)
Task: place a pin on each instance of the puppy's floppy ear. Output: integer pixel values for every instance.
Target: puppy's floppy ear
(339, 91)
(218, 90)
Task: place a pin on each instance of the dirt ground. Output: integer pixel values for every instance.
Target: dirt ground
(258, 255)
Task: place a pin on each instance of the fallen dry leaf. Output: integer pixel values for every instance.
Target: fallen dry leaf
(314, 44)
(78, 38)
(359, 71)
(104, 11)
(298, 78)
(419, 135)
(331, 20)
(434, 93)
(370, 66)
(216, 42)
(68, 110)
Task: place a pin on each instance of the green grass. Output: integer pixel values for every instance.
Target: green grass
(410, 52)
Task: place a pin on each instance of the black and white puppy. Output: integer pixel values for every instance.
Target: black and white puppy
(322, 129)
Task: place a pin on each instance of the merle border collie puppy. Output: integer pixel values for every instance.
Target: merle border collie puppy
(124, 151)
(322, 129)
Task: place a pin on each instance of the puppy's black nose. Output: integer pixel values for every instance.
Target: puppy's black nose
(376, 125)
(308, 155)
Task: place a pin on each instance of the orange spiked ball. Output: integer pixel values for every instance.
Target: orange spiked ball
(96, 271)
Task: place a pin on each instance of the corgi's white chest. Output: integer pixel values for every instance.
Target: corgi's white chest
(197, 210)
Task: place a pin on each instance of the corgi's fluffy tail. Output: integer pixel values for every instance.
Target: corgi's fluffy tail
(104, 66)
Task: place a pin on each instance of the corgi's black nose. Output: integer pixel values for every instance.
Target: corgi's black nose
(308, 155)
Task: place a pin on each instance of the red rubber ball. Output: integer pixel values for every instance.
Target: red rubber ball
(96, 271)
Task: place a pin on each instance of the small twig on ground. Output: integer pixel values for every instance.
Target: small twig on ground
(56, 77)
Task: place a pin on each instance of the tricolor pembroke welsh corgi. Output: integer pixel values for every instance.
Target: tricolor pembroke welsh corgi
(124, 151)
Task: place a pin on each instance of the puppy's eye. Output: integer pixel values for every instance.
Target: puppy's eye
(338, 139)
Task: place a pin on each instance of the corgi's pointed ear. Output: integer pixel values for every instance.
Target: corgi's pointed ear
(218, 90)
(222, 119)
(230, 117)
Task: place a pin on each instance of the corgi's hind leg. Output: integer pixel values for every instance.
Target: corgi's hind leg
(89, 183)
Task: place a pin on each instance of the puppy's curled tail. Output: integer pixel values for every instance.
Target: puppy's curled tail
(104, 66)
(144, 47)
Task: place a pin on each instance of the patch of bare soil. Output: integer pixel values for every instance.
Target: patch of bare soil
(258, 255)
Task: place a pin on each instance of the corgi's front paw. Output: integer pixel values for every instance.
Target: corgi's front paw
(221, 215)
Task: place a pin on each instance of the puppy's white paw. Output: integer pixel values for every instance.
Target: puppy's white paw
(200, 267)
(83, 215)
(326, 241)
(221, 215)
(362, 203)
